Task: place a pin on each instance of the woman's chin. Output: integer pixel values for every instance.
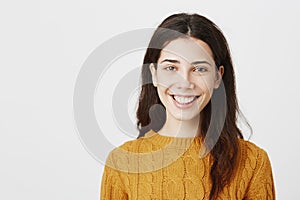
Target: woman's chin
(185, 117)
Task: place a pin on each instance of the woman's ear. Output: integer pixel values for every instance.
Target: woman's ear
(153, 73)
(219, 75)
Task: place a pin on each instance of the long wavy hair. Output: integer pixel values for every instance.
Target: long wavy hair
(224, 133)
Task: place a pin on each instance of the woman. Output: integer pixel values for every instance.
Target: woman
(189, 146)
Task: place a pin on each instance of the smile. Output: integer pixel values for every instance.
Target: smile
(183, 101)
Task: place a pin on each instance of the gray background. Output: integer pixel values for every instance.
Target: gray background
(44, 43)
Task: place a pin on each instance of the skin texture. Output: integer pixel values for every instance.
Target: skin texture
(185, 68)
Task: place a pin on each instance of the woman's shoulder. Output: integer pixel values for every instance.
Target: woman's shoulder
(126, 156)
(250, 147)
(143, 144)
(137, 145)
(254, 172)
(133, 145)
(251, 154)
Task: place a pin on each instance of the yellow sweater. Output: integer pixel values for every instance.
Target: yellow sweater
(162, 167)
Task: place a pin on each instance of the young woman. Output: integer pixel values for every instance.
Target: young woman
(189, 146)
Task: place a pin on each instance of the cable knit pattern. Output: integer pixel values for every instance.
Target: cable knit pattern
(162, 167)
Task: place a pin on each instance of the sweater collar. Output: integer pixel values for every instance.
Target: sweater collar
(177, 142)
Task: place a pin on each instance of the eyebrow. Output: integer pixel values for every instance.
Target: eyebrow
(178, 62)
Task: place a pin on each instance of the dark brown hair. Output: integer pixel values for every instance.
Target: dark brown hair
(218, 121)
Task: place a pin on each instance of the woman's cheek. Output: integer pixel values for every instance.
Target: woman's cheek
(168, 78)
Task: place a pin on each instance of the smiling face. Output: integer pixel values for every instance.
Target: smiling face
(185, 78)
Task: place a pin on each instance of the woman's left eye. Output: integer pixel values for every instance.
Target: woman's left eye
(200, 69)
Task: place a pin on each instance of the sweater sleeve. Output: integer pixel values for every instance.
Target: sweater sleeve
(111, 184)
(262, 184)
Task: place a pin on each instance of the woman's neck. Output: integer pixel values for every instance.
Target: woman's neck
(181, 128)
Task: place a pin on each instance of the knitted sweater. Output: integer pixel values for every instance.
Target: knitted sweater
(162, 167)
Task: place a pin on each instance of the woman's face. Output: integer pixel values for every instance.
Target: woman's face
(185, 77)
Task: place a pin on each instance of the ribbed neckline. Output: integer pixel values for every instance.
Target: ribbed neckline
(178, 142)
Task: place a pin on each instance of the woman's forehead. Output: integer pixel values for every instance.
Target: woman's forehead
(188, 49)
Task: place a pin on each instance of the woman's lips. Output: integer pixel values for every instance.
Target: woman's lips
(184, 101)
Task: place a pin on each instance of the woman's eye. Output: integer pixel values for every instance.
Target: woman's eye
(170, 68)
(200, 69)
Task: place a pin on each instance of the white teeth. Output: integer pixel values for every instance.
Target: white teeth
(184, 100)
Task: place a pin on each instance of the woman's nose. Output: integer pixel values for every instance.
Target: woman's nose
(184, 81)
